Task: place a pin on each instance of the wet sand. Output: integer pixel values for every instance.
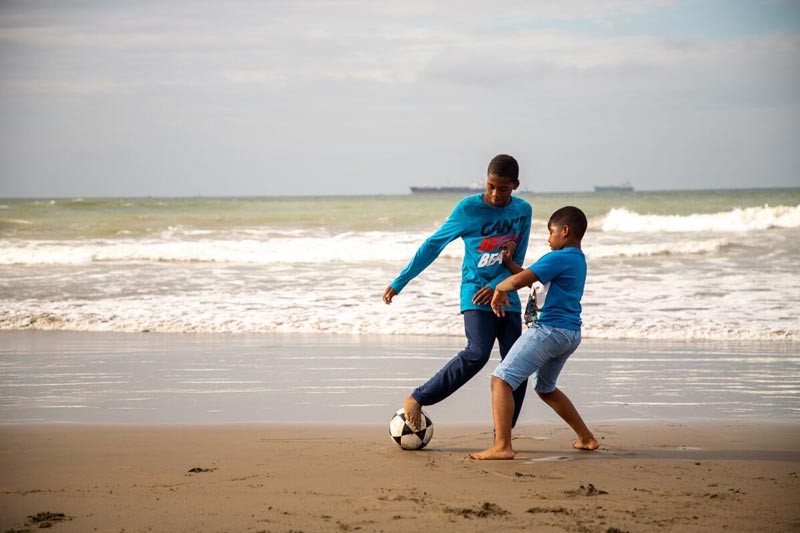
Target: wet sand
(647, 476)
(183, 378)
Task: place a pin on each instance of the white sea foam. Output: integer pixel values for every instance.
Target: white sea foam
(293, 249)
(345, 247)
(614, 314)
(668, 281)
(690, 247)
(219, 320)
(736, 220)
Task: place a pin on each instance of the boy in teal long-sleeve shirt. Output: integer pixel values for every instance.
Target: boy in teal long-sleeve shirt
(486, 223)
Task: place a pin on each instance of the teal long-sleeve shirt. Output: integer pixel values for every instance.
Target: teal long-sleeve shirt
(485, 229)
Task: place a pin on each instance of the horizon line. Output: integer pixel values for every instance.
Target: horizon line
(374, 195)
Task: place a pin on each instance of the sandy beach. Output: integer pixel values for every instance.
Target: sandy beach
(647, 476)
(145, 432)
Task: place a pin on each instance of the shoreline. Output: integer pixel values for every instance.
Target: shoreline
(191, 378)
(677, 476)
(783, 343)
(464, 426)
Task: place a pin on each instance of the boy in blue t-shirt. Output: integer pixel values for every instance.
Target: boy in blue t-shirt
(488, 223)
(544, 348)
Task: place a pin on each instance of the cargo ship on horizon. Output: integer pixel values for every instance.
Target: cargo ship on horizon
(625, 187)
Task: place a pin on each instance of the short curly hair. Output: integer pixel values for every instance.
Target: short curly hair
(504, 166)
(570, 216)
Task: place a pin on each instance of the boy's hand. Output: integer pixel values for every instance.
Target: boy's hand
(499, 302)
(483, 296)
(388, 294)
(508, 251)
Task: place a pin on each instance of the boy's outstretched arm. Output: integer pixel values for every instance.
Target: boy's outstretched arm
(524, 278)
(484, 295)
(427, 252)
(508, 258)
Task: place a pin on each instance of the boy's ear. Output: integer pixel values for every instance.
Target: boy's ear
(516, 184)
(566, 230)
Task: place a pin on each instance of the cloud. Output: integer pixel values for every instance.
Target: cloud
(466, 45)
(636, 64)
(264, 86)
(346, 39)
(66, 87)
(254, 77)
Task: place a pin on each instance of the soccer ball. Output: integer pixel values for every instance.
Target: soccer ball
(407, 438)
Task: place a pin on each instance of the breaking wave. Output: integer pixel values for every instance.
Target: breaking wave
(736, 220)
(344, 248)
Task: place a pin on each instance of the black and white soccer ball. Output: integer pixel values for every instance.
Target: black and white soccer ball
(407, 438)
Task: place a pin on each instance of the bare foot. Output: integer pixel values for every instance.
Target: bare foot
(413, 412)
(492, 454)
(586, 444)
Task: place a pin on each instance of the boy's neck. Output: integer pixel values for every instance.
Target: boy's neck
(487, 202)
(572, 243)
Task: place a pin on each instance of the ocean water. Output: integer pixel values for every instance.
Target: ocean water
(699, 265)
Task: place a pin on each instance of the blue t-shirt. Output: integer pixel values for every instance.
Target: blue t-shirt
(563, 274)
(485, 229)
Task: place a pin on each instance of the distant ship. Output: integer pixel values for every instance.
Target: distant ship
(447, 190)
(625, 187)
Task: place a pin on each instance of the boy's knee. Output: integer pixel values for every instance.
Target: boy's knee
(546, 395)
(476, 355)
(500, 382)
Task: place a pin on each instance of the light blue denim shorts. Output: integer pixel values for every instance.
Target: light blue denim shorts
(540, 353)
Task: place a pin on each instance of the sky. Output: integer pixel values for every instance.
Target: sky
(325, 97)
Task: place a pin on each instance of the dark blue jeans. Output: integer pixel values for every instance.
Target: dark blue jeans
(481, 328)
